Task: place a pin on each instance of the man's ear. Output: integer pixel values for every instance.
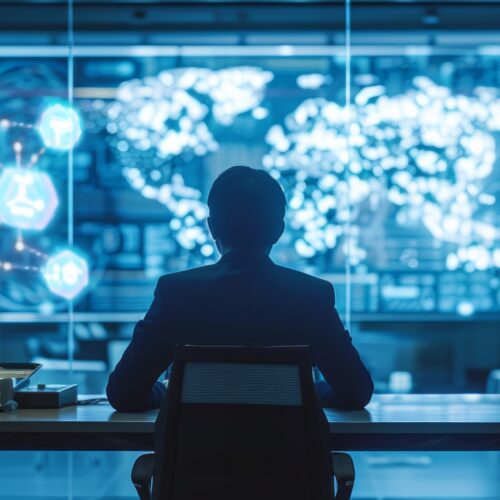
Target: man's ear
(279, 232)
(218, 243)
(211, 228)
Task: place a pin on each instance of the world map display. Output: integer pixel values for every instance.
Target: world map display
(421, 162)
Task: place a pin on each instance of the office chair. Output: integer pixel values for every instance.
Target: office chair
(242, 423)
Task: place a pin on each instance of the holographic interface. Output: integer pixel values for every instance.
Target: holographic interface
(29, 198)
(29, 203)
(60, 127)
(402, 186)
(66, 274)
(157, 121)
(428, 152)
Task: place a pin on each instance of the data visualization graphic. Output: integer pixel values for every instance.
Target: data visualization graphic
(157, 125)
(428, 153)
(29, 201)
(402, 185)
(311, 158)
(425, 155)
(434, 153)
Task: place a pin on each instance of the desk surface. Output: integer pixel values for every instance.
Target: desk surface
(390, 422)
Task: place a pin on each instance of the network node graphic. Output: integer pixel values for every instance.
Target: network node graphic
(28, 201)
(60, 127)
(66, 274)
(28, 198)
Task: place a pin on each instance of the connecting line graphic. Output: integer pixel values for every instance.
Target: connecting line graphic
(11, 266)
(35, 157)
(21, 246)
(18, 149)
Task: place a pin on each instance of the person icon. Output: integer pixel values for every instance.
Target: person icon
(28, 199)
(60, 127)
(20, 204)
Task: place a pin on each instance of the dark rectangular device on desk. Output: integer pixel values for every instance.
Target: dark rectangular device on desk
(46, 396)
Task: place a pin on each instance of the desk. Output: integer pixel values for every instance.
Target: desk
(390, 423)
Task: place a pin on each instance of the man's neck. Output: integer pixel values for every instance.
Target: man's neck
(229, 249)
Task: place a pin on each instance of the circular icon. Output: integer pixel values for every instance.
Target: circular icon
(28, 198)
(60, 127)
(66, 274)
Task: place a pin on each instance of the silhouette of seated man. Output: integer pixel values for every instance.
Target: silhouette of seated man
(243, 299)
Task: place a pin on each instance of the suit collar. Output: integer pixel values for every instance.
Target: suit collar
(245, 257)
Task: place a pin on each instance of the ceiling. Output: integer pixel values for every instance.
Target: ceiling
(240, 18)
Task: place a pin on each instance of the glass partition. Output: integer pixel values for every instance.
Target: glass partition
(41, 269)
(424, 152)
(142, 131)
(425, 139)
(381, 123)
(385, 143)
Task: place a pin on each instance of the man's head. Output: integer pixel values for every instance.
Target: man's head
(247, 209)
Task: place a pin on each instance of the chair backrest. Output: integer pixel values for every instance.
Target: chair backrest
(241, 423)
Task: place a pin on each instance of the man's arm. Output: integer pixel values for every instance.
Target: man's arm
(133, 385)
(349, 384)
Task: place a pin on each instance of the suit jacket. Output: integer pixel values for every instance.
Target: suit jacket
(244, 299)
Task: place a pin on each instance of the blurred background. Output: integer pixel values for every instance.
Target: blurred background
(381, 120)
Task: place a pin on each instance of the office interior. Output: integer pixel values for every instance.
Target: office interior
(381, 120)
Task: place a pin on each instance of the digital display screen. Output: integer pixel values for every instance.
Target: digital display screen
(402, 186)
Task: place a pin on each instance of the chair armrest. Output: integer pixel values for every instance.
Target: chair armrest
(343, 472)
(142, 473)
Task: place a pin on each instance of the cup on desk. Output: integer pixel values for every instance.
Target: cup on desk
(400, 382)
(6, 391)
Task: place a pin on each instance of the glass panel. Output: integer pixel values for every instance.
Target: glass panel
(417, 200)
(161, 122)
(385, 139)
(154, 123)
(425, 301)
(39, 268)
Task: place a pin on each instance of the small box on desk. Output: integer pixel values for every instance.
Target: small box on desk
(46, 396)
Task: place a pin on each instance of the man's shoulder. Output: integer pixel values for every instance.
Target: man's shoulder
(186, 276)
(305, 280)
(283, 277)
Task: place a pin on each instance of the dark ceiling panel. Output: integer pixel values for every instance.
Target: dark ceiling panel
(245, 17)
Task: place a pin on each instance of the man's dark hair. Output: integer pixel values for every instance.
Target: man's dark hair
(247, 208)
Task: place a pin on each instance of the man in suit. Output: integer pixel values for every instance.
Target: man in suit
(243, 299)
